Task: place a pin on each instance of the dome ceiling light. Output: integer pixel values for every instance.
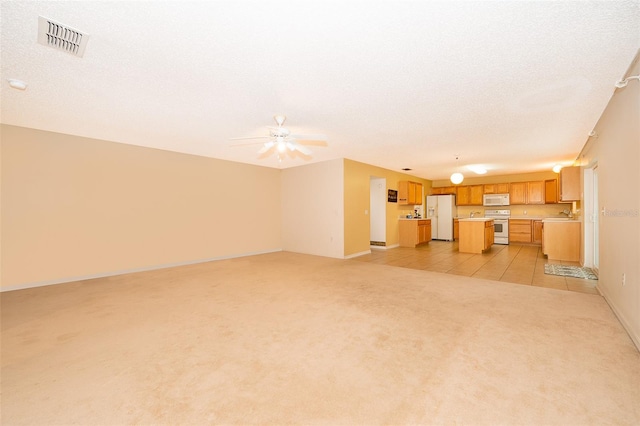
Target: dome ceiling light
(457, 177)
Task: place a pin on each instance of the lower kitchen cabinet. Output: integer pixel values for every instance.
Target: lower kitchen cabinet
(414, 232)
(561, 240)
(519, 230)
(527, 231)
(476, 236)
(536, 231)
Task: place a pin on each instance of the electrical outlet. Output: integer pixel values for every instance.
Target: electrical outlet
(624, 278)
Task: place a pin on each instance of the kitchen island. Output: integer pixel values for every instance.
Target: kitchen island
(476, 234)
(414, 231)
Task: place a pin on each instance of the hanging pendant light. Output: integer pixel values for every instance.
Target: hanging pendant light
(457, 178)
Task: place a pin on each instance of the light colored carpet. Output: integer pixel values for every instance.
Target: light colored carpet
(286, 338)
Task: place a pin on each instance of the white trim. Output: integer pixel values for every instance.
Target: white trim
(362, 253)
(129, 271)
(384, 247)
(625, 324)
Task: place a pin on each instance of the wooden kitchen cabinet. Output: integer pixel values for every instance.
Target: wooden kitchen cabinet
(520, 230)
(469, 195)
(414, 232)
(456, 229)
(476, 192)
(535, 192)
(476, 236)
(561, 240)
(527, 192)
(518, 193)
(489, 234)
(551, 191)
(569, 184)
(443, 190)
(409, 193)
(496, 188)
(463, 197)
(536, 231)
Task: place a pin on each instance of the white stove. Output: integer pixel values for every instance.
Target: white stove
(500, 225)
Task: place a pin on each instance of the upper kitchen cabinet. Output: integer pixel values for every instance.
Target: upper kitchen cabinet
(444, 190)
(476, 194)
(409, 193)
(526, 192)
(551, 191)
(496, 188)
(469, 195)
(535, 192)
(518, 193)
(569, 184)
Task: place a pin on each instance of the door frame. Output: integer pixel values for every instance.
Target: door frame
(591, 219)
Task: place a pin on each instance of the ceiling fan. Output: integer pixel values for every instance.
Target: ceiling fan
(282, 141)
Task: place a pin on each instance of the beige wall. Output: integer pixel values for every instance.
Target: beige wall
(313, 209)
(357, 202)
(75, 207)
(616, 151)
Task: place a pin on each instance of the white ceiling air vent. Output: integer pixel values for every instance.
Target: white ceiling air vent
(61, 37)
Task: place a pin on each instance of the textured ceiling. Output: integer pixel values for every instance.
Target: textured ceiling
(513, 86)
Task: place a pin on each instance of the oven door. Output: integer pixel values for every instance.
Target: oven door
(501, 231)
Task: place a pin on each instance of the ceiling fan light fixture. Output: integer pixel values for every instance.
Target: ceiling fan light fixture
(280, 119)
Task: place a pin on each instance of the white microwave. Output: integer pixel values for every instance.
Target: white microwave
(495, 200)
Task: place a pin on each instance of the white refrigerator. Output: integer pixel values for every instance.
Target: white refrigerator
(441, 209)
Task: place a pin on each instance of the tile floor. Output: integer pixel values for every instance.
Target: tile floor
(513, 263)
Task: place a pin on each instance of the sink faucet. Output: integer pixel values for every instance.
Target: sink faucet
(568, 212)
(473, 214)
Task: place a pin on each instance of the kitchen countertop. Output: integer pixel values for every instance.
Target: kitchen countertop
(475, 219)
(415, 218)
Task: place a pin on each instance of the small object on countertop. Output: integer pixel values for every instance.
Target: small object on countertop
(408, 216)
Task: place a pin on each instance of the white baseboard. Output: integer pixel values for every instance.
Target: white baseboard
(128, 271)
(635, 338)
(392, 246)
(362, 253)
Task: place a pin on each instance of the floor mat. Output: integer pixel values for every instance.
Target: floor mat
(570, 271)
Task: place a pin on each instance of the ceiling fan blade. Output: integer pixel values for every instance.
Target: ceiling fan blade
(250, 137)
(310, 137)
(302, 149)
(245, 144)
(267, 146)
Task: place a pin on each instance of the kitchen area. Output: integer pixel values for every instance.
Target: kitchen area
(542, 212)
